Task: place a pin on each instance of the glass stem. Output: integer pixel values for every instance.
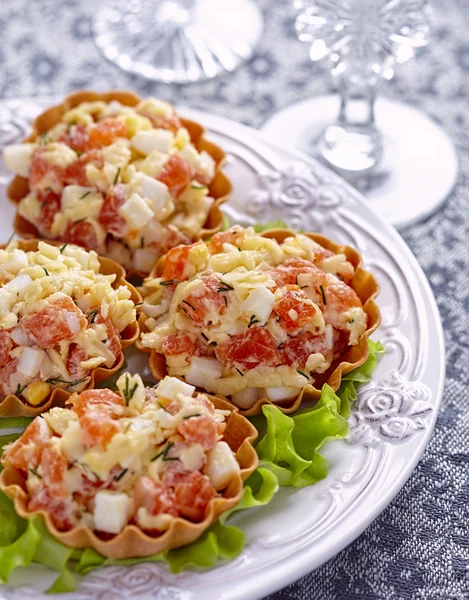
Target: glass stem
(357, 102)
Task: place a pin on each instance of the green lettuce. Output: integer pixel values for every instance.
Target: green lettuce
(288, 450)
(277, 224)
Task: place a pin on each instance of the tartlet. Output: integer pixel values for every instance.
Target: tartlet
(260, 318)
(131, 473)
(120, 175)
(67, 315)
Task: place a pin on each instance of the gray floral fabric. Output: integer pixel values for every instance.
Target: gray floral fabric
(419, 546)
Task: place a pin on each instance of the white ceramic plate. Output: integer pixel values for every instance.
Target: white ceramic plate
(389, 427)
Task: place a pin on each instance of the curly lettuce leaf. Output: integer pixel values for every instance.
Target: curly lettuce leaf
(290, 445)
(277, 224)
(347, 391)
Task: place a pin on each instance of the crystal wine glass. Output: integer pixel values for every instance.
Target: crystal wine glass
(400, 158)
(177, 41)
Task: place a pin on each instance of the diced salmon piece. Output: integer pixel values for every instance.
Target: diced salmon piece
(176, 175)
(82, 233)
(106, 132)
(27, 451)
(294, 309)
(204, 305)
(231, 236)
(6, 346)
(193, 496)
(58, 321)
(76, 137)
(156, 497)
(50, 205)
(249, 350)
(296, 350)
(113, 338)
(200, 430)
(98, 427)
(60, 509)
(76, 354)
(178, 343)
(109, 217)
(287, 273)
(5, 374)
(90, 399)
(43, 174)
(175, 264)
(54, 467)
(75, 173)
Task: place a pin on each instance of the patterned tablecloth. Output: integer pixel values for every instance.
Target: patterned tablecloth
(419, 546)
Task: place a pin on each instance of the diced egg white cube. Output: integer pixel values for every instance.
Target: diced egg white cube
(19, 285)
(156, 139)
(190, 154)
(71, 194)
(30, 361)
(192, 457)
(155, 192)
(221, 465)
(201, 369)
(21, 338)
(144, 259)
(71, 443)
(245, 398)
(111, 511)
(259, 303)
(18, 158)
(171, 386)
(284, 392)
(136, 212)
(206, 164)
(6, 300)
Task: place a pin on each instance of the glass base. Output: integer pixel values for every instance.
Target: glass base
(418, 168)
(178, 41)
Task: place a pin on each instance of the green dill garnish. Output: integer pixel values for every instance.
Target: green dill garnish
(224, 287)
(34, 472)
(213, 344)
(168, 282)
(63, 248)
(301, 373)
(323, 294)
(164, 452)
(226, 301)
(240, 372)
(92, 315)
(10, 238)
(190, 416)
(44, 138)
(20, 389)
(253, 321)
(142, 241)
(138, 304)
(68, 383)
(80, 220)
(119, 476)
(46, 271)
(281, 347)
(82, 197)
(303, 287)
(204, 336)
(128, 391)
(196, 186)
(116, 178)
(188, 304)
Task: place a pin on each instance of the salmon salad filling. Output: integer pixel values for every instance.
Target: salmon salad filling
(124, 181)
(142, 456)
(60, 318)
(248, 317)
